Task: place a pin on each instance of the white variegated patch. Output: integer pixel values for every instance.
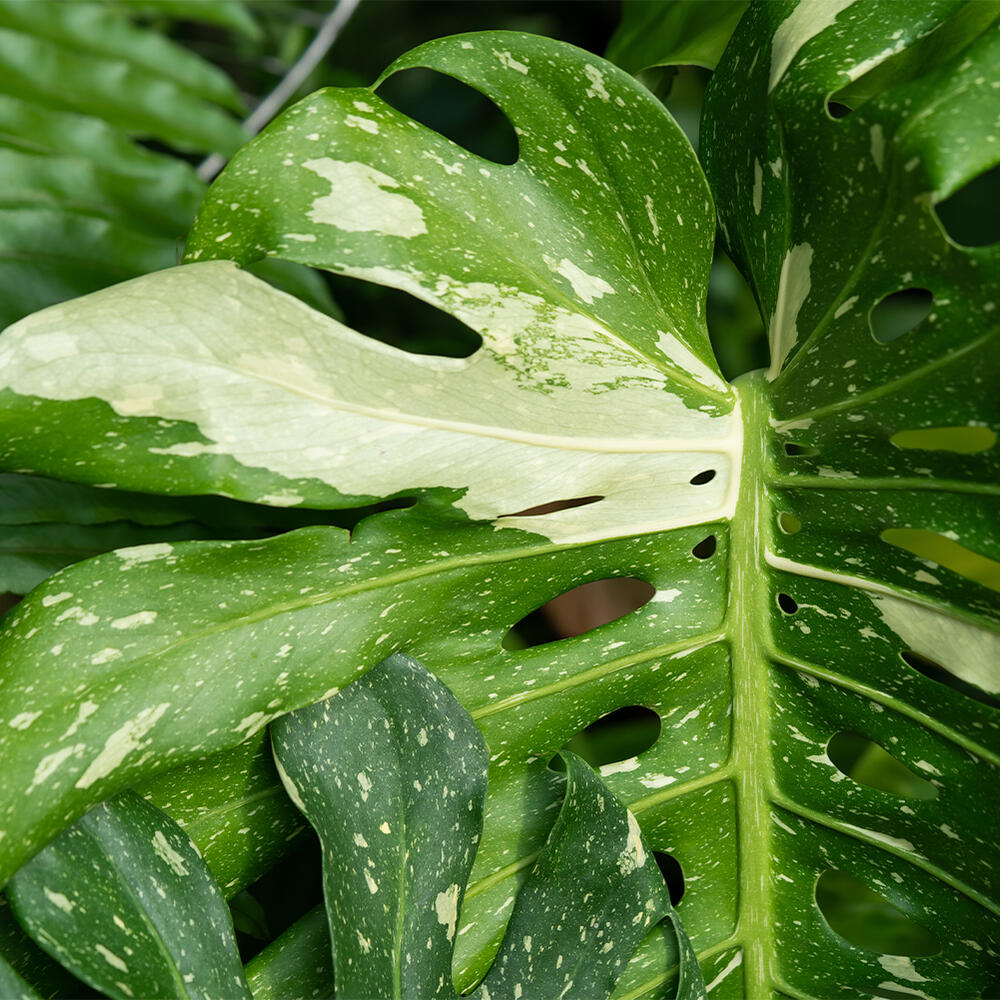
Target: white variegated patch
(529, 419)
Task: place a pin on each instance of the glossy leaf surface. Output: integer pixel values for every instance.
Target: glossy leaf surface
(584, 271)
(124, 900)
(392, 773)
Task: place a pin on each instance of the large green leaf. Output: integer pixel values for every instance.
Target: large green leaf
(125, 901)
(583, 265)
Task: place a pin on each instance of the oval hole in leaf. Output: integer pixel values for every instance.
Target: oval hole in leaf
(705, 548)
(618, 736)
(579, 610)
(864, 761)
(453, 109)
(554, 506)
(787, 604)
(933, 670)
(897, 314)
(673, 875)
(945, 552)
(971, 216)
(703, 477)
(401, 320)
(868, 920)
(789, 523)
(795, 450)
(837, 110)
(961, 440)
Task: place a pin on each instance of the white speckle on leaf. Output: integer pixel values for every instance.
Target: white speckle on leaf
(290, 787)
(877, 145)
(23, 720)
(665, 596)
(509, 62)
(597, 87)
(121, 743)
(134, 621)
(372, 884)
(793, 289)
(58, 900)
(758, 186)
(805, 22)
(901, 967)
(367, 124)
(587, 286)
(446, 906)
(618, 767)
(49, 599)
(164, 851)
(634, 855)
(111, 958)
(144, 553)
(360, 203)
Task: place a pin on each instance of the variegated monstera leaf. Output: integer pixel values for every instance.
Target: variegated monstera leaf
(583, 266)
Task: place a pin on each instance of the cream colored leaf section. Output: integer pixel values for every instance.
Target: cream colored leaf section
(279, 386)
(967, 651)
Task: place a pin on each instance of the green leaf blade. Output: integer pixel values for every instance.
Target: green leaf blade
(392, 773)
(124, 900)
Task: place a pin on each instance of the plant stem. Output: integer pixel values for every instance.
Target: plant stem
(748, 609)
(291, 81)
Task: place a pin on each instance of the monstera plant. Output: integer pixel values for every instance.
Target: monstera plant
(819, 540)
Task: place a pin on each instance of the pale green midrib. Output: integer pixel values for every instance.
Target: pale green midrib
(910, 857)
(850, 282)
(637, 807)
(809, 481)
(389, 580)
(881, 698)
(611, 446)
(893, 385)
(751, 726)
(601, 670)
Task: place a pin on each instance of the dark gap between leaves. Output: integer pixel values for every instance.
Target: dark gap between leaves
(787, 604)
(933, 670)
(401, 320)
(868, 763)
(619, 735)
(868, 920)
(673, 875)
(703, 477)
(454, 110)
(705, 548)
(554, 506)
(579, 610)
(897, 314)
(971, 216)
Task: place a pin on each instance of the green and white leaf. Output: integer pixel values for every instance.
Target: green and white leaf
(124, 900)
(583, 266)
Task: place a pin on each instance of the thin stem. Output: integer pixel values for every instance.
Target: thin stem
(331, 27)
